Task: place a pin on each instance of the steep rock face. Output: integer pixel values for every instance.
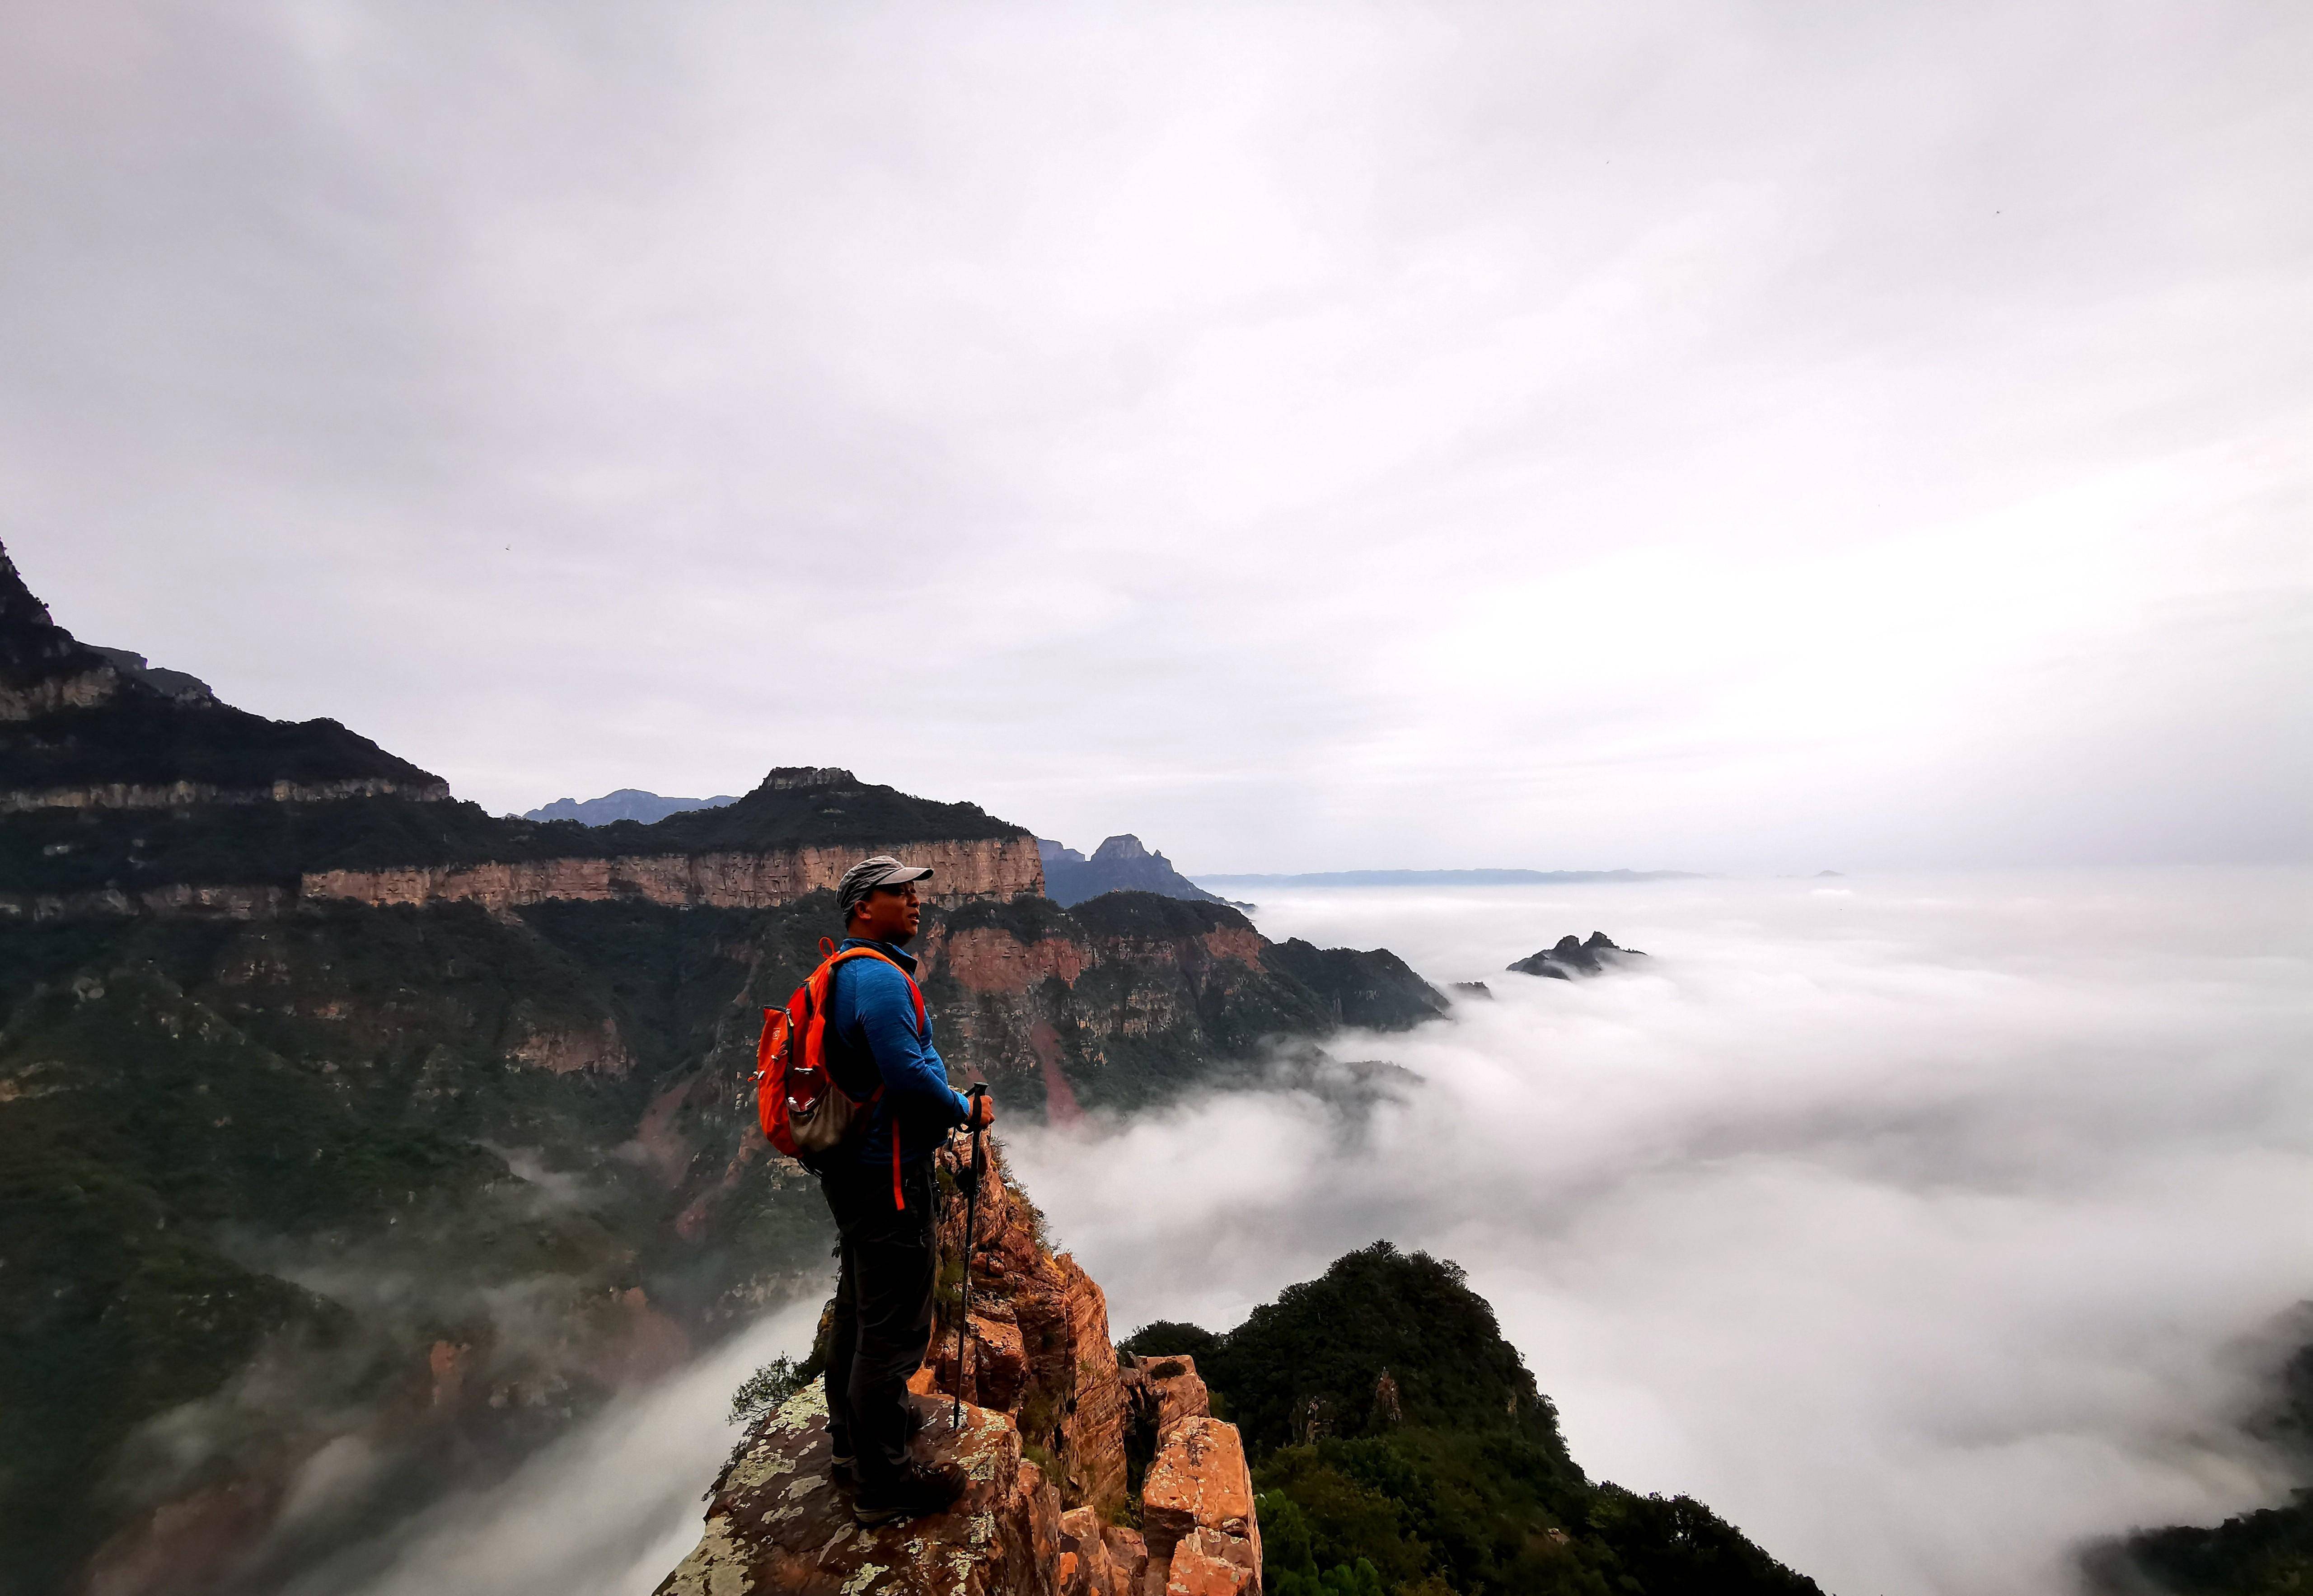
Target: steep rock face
(991, 867)
(1196, 1507)
(1048, 1418)
(1038, 1346)
(1129, 998)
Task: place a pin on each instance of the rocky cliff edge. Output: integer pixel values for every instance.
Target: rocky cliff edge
(1056, 1430)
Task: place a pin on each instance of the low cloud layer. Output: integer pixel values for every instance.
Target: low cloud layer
(605, 1512)
(1923, 1228)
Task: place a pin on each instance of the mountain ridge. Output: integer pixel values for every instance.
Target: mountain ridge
(1121, 864)
(626, 803)
(1451, 878)
(354, 1121)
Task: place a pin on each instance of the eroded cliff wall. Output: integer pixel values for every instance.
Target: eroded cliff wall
(964, 870)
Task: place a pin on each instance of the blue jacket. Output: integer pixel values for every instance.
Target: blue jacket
(872, 1036)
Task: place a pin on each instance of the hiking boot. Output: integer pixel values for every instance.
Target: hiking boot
(915, 1491)
(844, 1468)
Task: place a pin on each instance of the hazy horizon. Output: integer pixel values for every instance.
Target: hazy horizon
(1738, 438)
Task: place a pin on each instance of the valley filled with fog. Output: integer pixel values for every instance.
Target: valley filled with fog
(1924, 1227)
(1921, 1226)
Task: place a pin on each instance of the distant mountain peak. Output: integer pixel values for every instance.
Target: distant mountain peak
(1571, 956)
(1121, 864)
(627, 803)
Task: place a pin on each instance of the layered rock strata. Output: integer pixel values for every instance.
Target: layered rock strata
(138, 793)
(184, 794)
(1103, 1004)
(964, 870)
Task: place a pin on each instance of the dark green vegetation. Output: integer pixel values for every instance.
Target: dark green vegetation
(1375, 990)
(1400, 1445)
(263, 1169)
(256, 1176)
(2257, 1553)
(70, 718)
(280, 1174)
(143, 737)
(2267, 1553)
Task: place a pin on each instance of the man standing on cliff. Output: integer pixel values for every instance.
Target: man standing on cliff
(881, 1323)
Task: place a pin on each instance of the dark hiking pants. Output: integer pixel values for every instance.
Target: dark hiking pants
(882, 1325)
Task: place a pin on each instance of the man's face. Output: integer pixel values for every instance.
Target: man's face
(888, 914)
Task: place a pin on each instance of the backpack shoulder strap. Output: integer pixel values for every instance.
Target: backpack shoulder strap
(914, 991)
(825, 975)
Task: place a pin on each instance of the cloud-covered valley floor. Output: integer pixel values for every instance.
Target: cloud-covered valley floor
(1925, 1228)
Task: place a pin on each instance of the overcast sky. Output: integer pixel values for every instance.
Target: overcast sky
(1717, 436)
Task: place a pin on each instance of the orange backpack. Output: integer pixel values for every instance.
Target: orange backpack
(804, 1113)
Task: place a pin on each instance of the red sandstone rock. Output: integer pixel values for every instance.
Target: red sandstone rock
(1128, 1556)
(1207, 1563)
(1089, 1567)
(995, 1363)
(988, 961)
(1094, 1424)
(980, 867)
(1042, 1325)
(1199, 1481)
(1040, 1348)
(777, 1523)
(1176, 1388)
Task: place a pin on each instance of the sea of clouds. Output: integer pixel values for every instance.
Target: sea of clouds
(1927, 1228)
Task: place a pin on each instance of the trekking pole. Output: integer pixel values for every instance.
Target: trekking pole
(971, 1215)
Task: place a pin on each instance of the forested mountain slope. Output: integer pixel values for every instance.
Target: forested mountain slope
(353, 1141)
(1400, 1444)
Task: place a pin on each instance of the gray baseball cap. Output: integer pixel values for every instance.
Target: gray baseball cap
(865, 877)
